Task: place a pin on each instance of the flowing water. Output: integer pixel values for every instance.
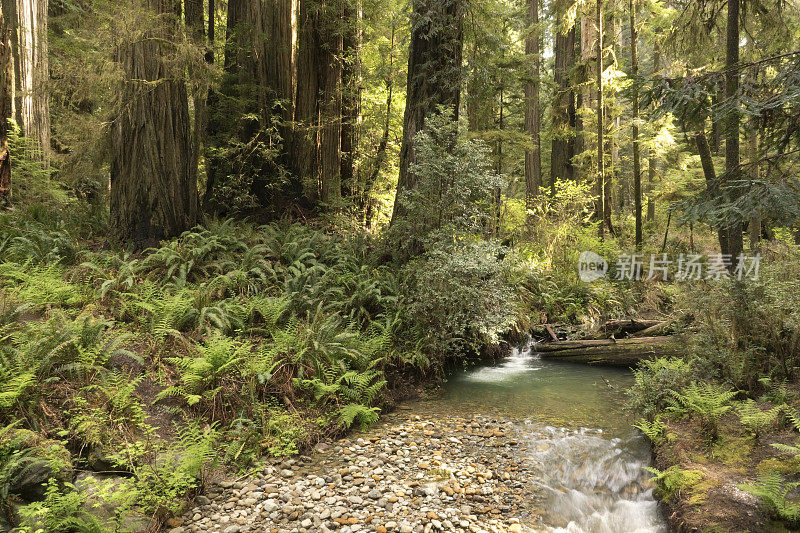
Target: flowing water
(589, 462)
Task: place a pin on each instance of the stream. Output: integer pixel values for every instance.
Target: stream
(524, 445)
(588, 462)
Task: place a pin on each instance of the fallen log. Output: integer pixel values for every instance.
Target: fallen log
(658, 330)
(628, 326)
(610, 352)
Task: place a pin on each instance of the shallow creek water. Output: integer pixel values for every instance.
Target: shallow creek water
(588, 462)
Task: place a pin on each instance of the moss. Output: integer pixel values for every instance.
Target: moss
(732, 451)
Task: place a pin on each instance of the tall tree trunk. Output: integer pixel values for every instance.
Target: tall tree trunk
(32, 73)
(637, 164)
(563, 142)
(367, 205)
(6, 103)
(755, 175)
(652, 160)
(351, 98)
(211, 103)
(710, 173)
(734, 231)
(434, 77)
(330, 72)
(153, 178)
(533, 154)
(600, 189)
(193, 13)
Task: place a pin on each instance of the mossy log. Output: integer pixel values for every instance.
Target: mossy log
(610, 352)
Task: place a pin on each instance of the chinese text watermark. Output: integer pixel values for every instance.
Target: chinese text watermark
(661, 267)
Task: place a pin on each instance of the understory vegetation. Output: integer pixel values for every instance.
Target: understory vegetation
(730, 410)
(140, 373)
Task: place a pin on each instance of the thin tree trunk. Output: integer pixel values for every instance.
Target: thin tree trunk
(193, 13)
(351, 98)
(637, 170)
(153, 178)
(533, 154)
(6, 104)
(734, 231)
(380, 156)
(32, 73)
(601, 179)
(755, 175)
(434, 78)
(652, 159)
(710, 173)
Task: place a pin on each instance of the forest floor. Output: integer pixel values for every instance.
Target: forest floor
(708, 476)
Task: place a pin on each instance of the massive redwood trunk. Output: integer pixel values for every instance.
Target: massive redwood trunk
(31, 71)
(153, 177)
(434, 77)
(315, 153)
(564, 113)
(6, 91)
(533, 154)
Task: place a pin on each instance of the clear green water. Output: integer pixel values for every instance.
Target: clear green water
(588, 461)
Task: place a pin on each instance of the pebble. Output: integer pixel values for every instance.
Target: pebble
(413, 476)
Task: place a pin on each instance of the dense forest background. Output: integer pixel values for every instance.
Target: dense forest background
(244, 225)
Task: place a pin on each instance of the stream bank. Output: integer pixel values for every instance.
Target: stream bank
(523, 445)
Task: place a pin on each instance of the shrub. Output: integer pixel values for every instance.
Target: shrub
(655, 382)
(458, 297)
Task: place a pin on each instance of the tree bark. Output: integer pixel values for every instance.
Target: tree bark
(330, 73)
(652, 159)
(755, 175)
(434, 78)
(623, 353)
(153, 177)
(600, 188)
(6, 104)
(351, 98)
(734, 231)
(563, 142)
(533, 154)
(32, 73)
(637, 164)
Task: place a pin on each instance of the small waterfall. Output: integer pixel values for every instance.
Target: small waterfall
(594, 484)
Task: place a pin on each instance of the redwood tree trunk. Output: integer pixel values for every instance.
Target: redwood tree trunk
(533, 155)
(563, 143)
(153, 177)
(637, 164)
(600, 189)
(32, 72)
(434, 77)
(6, 91)
(330, 74)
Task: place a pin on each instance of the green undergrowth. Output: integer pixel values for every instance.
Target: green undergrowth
(730, 410)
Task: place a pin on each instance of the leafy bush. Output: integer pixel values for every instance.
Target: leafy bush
(458, 298)
(455, 187)
(655, 382)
